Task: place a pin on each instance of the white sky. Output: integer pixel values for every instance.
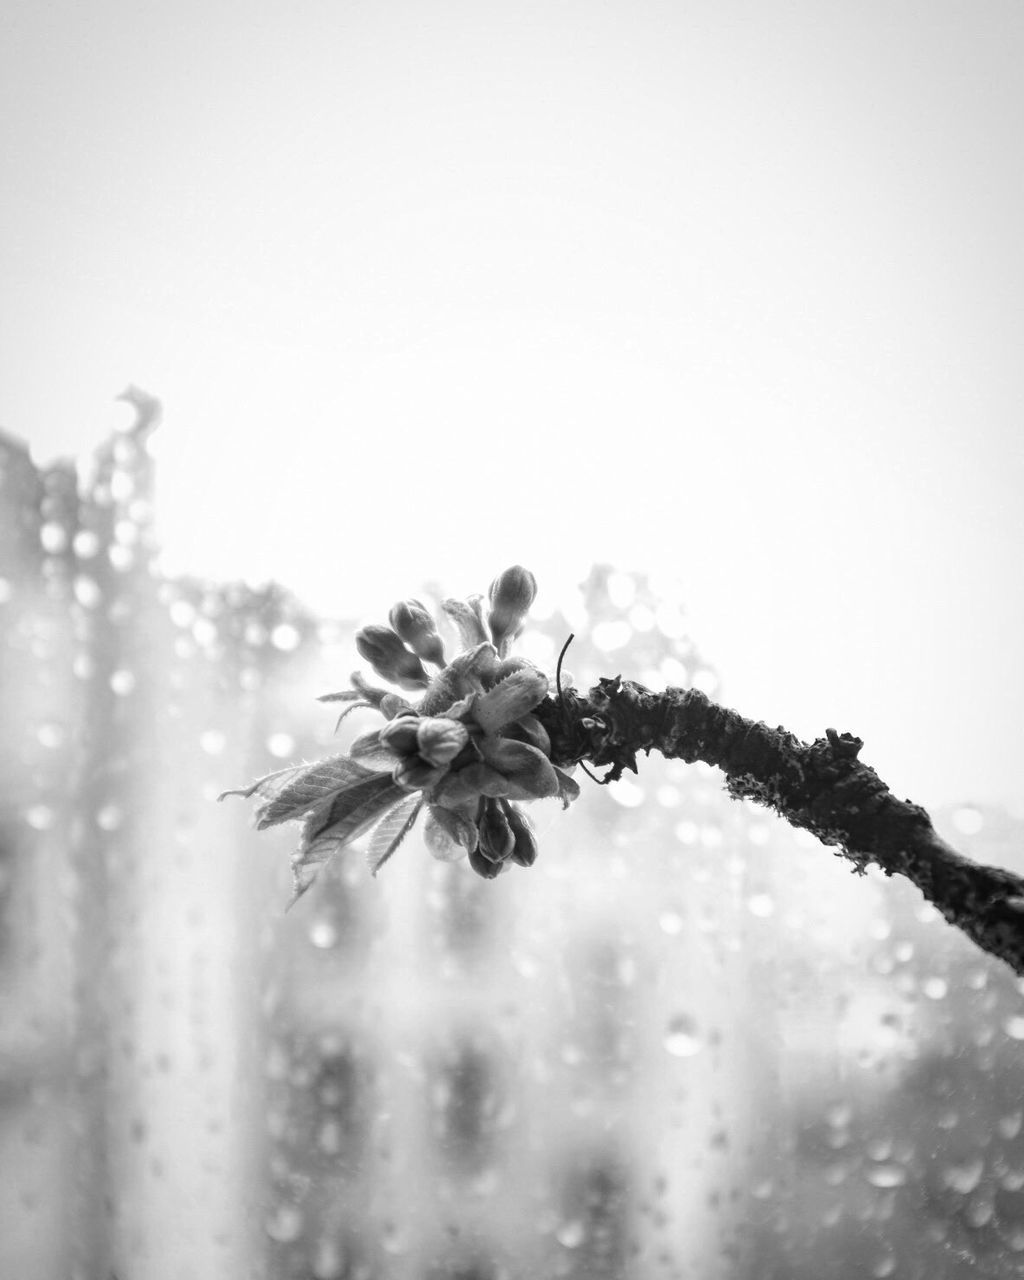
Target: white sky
(733, 292)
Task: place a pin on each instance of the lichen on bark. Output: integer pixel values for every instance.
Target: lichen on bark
(821, 787)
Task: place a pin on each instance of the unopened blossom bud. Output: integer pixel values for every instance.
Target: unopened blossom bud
(384, 651)
(496, 838)
(483, 866)
(524, 851)
(510, 699)
(511, 594)
(416, 627)
(467, 616)
(440, 740)
(417, 775)
(400, 736)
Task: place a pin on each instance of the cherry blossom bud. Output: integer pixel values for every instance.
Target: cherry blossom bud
(528, 773)
(416, 627)
(496, 838)
(510, 700)
(440, 740)
(483, 866)
(384, 651)
(416, 775)
(440, 841)
(400, 736)
(467, 616)
(511, 594)
(524, 851)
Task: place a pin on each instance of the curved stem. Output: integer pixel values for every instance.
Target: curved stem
(821, 787)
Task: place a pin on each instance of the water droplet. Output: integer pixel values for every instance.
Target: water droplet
(571, 1234)
(1009, 1126)
(110, 817)
(886, 1175)
(935, 988)
(284, 1224)
(285, 637)
(1014, 1026)
(964, 1177)
(626, 793)
(122, 682)
(611, 635)
(54, 538)
(323, 934)
(328, 1262)
(213, 741)
(120, 557)
(183, 614)
(39, 817)
(968, 820)
(761, 905)
(204, 632)
(50, 735)
(670, 922)
(330, 1138)
(87, 592)
(682, 1039)
(281, 745)
(86, 544)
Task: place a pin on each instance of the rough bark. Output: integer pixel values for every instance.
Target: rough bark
(821, 787)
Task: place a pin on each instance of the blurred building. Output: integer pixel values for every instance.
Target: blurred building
(686, 1043)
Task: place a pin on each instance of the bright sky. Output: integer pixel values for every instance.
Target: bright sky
(727, 291)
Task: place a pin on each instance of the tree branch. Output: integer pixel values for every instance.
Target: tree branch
(821, 787)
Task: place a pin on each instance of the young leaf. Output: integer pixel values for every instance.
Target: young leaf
(391, 831)
(296, 791)
(352, 812)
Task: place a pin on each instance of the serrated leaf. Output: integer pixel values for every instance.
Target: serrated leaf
(294, 792)
(391, 831)
(352, 812)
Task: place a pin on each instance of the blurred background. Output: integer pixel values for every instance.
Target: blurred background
(722, 301)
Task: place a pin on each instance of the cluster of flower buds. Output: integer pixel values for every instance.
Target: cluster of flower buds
(504, 836)
(471, 746)
(425, 748)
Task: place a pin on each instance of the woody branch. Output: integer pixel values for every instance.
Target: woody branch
(821, 787)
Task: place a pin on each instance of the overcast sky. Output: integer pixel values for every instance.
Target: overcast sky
(733, 292)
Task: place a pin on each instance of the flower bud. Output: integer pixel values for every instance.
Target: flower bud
(511, 594)
(400, 736)
(415, 626)
(528, 773)
(483, 866)
(416, 775)
(468, 620)
(524, 851)
(496, 838)
(440, 842)
(384, 651)
(510, 699)
(440, 740)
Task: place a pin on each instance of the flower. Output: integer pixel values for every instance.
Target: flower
(469, 752)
